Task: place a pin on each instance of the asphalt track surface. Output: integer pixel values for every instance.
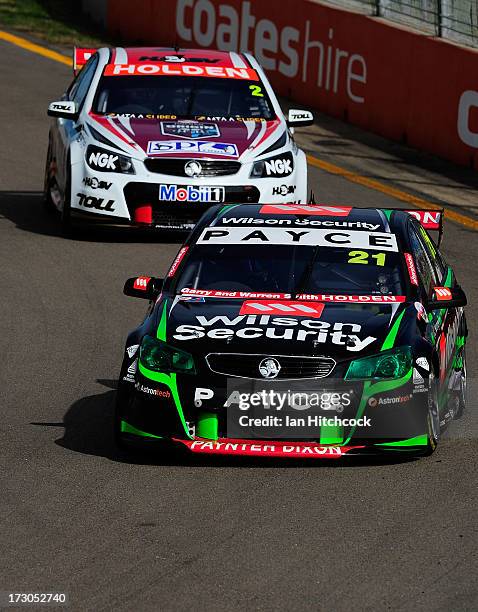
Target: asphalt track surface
(123, 533)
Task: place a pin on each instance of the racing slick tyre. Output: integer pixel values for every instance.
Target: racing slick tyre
(461, 398)
(47, 199)
(123, 398)
(66, 224)
(433, 418)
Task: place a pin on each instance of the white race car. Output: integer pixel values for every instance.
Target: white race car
(151, 137)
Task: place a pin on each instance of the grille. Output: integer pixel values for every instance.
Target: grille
(171, 214)
(247, 366)
(177, 216)
(175, 167)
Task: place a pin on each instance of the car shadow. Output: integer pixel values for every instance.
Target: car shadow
(88, 429)
(26, 210)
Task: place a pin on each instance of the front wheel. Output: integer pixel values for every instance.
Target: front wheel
(433, 417)
(123, 399)
(65, 218)
(47, 185)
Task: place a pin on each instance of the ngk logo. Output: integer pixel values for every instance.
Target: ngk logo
(103, 160)
(278, 167)
(295, 309)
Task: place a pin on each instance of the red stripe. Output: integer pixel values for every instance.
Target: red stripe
(103, 121)
(262, 448)
(269, 131)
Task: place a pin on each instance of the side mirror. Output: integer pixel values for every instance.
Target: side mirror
(299, 118)
(64, 109)
(146, 287)
(447, 298)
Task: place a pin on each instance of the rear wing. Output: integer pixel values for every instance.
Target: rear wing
(80, 57)
(430, 220)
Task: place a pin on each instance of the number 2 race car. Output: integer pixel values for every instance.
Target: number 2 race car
(298, 331)
(152, 137)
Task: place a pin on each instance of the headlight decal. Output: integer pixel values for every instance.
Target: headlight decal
(158, 356)
(388, 365)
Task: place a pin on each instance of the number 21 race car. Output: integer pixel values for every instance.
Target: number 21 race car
(152, 137)
(298, 331)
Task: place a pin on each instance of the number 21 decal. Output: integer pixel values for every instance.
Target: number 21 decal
(362, 257)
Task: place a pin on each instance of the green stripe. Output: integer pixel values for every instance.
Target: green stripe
(417, 441)
(331, 434)
(392, 334)
(224, 210)
(127, 428)
(161, 333)
(170, 381)
(207, 426)
(449, 277)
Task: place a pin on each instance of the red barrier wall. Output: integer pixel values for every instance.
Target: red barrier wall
(390, 80)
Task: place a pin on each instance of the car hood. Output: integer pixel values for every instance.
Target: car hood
(221, 139)
(341, 331)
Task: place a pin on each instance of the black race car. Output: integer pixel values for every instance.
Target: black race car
(298, 331)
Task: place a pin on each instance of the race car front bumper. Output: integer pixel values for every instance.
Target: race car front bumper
(135, 200)
(380, 418)
(281, 449)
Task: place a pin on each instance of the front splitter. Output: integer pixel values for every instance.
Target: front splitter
(266, 448)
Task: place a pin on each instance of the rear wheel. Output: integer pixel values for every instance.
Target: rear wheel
(461, 399)
(433, 417)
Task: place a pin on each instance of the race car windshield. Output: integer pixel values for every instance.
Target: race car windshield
(294, 270)
(184, 97)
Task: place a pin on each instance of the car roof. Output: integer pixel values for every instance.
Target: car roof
(153, 55)
(365, 219)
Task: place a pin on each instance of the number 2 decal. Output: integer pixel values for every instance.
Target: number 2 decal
(256, 90)
(362, 257)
